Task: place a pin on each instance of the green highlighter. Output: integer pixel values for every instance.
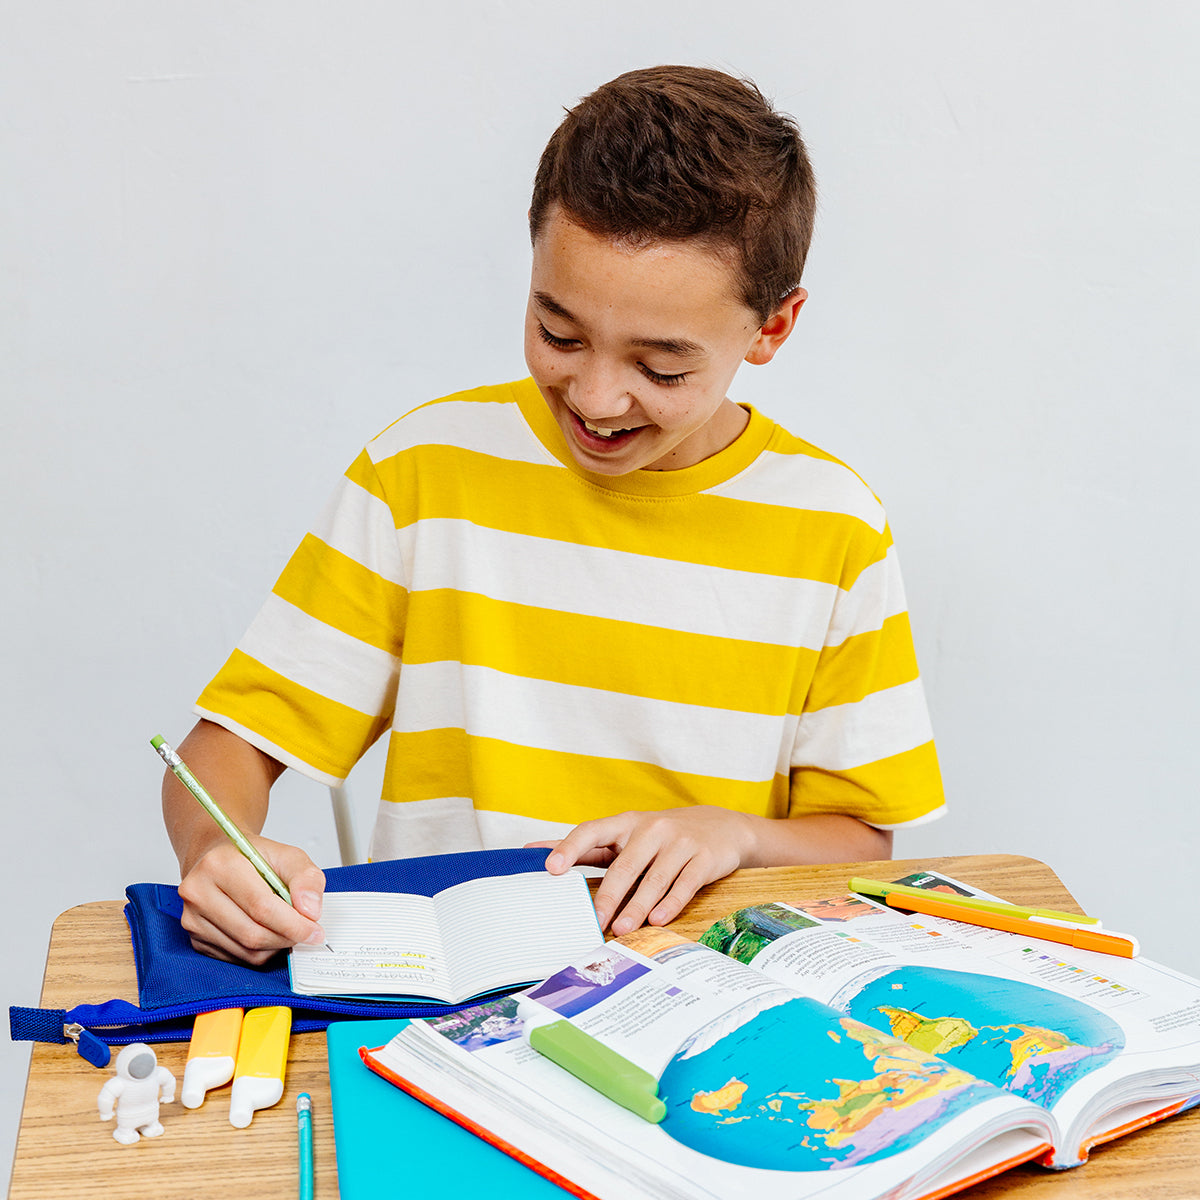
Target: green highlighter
(596, 1064)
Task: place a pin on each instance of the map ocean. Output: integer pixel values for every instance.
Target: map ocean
(789, 1084)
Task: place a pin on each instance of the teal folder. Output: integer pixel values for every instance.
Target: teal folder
(390, 1144)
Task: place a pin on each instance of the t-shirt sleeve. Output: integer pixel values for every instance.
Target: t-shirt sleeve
(863, 744)
(313, 681)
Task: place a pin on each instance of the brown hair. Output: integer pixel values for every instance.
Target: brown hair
(668, 153)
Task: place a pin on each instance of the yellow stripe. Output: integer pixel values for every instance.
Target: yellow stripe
(863, 664)
(553, 786)
(362, 471)
(323, 733)
(614, 656)
(783, 442)
(890, 791)
(552, 502)
(335, 589)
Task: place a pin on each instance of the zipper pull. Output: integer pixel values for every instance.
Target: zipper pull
(88, 1045)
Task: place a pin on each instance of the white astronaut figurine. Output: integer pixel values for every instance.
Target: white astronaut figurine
(134, 1093)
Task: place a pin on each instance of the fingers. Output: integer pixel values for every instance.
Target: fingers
(305, 880)
(592, 844)
(665, 859)
(655, 903)
(641, 886)
(230, 912)
(653, 880)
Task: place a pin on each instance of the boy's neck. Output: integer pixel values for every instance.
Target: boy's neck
(729, 423)
(751, 439)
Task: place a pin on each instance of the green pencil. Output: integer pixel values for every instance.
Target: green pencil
(235, 835)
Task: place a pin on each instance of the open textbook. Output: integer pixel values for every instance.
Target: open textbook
(487, 934)
(834, 1048)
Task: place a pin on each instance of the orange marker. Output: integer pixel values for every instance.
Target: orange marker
(212, 1054)
(1106, 942)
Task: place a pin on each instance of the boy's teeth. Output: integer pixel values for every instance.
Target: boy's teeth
(602, 432)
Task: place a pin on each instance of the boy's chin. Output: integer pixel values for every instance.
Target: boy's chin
(614, 468)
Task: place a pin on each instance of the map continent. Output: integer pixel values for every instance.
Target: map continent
(1021, 1037)
(846, 1095)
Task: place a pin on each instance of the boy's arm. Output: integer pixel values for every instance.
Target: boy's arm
(228, 909)
(657, 861)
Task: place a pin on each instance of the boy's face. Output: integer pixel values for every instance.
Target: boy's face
(634, 348)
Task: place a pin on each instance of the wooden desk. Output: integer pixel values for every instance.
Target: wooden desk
(65, 1150)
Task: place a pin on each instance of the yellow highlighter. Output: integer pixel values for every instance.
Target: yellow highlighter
(261, 1063)
(212, 1054)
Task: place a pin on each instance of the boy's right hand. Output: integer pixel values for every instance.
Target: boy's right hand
(231, 913)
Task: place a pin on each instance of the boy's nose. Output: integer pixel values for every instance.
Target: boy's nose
(599, 394)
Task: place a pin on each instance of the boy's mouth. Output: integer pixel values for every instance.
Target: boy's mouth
(599, 434)
(604, 433)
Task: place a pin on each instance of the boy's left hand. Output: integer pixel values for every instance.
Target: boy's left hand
(656, 861)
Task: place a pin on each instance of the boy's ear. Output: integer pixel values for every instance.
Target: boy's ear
(777, 328)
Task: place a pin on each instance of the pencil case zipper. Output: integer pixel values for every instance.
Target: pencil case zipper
(93, 1028)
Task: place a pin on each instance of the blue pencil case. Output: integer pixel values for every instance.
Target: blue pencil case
(175, 982)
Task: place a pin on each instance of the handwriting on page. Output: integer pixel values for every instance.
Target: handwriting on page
(378, 938)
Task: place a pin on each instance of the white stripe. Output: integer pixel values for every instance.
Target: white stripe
(495, 428)
(450, 825)
(499, 829)
(800, 481)
(443, 825)
(878, 593)
(921, 820)
(844, 736)
(617, 585)
(688, 738)
(362, 527)
(321, 658)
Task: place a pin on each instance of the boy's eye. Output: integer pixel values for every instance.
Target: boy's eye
(557, 342)
(665, 380)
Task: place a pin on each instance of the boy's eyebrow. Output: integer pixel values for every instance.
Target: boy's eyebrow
(681, 346)
(671, 346)
(548, 302)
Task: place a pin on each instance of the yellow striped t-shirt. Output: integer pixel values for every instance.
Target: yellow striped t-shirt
(543, 645)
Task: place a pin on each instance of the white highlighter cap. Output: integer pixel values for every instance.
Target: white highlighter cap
(203, 1074)
(250, 1093)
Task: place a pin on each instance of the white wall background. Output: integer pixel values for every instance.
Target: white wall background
(238, 238)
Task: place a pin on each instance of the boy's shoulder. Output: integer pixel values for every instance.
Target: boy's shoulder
(481, 418)
(795, 473)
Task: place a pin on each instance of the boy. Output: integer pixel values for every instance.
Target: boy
(604, 609)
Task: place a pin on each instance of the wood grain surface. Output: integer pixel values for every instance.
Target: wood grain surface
(65, 1152)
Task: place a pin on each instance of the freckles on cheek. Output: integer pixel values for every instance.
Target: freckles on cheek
(545, 368)
(537, 362)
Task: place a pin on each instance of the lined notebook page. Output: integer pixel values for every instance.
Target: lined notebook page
(383, 942)
(514, 929)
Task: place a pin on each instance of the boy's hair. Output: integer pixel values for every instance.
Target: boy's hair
(668, 153)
